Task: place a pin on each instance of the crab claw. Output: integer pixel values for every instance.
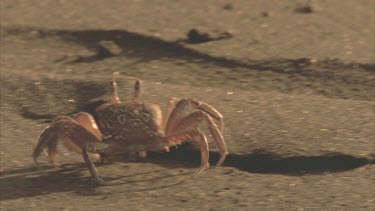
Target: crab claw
(76, 131)
(47, 139)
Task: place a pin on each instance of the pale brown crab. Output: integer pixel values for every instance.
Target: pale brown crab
(133, 127)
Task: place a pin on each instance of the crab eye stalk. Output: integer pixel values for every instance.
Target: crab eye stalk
(137, 90)
(115, 97)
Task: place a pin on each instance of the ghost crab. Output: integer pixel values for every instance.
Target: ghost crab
(133, 127)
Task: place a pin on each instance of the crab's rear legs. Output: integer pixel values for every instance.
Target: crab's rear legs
(189, 135)
(178, 109)
(193, 120)
(210, 110)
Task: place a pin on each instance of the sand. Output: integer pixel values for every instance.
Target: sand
(294, 81)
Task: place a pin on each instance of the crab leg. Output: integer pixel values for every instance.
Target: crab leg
(171, 106)
(88, 122)
(47, 138)
(97, 147)
(74, 134)
(210, 110)
(178, 112)
(106, 149)
(180, 109)
(175, 139)
(112, 149)
(220, 143)
(193, 120)
(204, 153)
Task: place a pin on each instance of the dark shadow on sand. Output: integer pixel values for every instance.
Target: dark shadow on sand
(141, 48)
(32, 181)
(264, 162)
(28, 182)
(147, 48)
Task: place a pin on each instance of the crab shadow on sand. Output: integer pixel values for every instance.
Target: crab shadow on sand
(29, 181)
(32, 181)
(261, 161)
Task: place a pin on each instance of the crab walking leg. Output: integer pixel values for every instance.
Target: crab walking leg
(210, 110)
(115, 98)
(97, 147)
(171, 106)
(180, 110)
(110, 149)
(220, 143)
(194, 119)
(218, 138)
(204, 154)
(73, 134)
(175, 139)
